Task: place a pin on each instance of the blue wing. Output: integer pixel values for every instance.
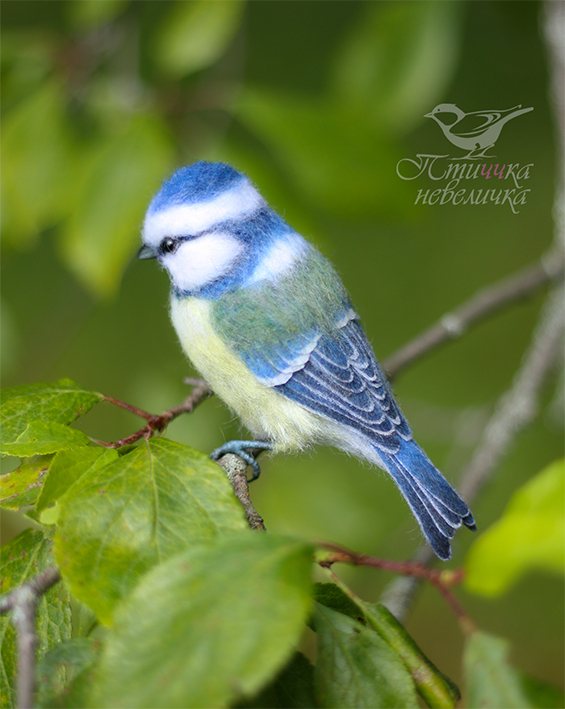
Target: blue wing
(335, 374)
(342, 381)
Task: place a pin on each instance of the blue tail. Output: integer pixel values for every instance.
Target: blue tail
(437, 507)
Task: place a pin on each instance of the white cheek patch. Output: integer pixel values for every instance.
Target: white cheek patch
(201, 260)
(280, 257)
(191, 219)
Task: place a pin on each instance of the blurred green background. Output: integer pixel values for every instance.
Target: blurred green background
(317, 102)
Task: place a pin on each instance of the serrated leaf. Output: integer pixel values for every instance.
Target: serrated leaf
(491, 681)
(209, 625)
(36, 164)
(196, 34)
(68, 467)
(42, 437)
(292, 688)
(65, 673)
(23, 558)
(529, 535)
(356, 667)
(118, 178)
(22, 486)
(28, 411)
(136, 512)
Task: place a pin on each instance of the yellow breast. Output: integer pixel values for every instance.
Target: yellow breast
(265, 412)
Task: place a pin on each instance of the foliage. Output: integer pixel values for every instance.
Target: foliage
(199, 610)
(91, 167)
(188, 606)
(317, 102)
(22, 559)
(529, 535)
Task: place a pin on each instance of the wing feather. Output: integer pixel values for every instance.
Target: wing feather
(343, 382)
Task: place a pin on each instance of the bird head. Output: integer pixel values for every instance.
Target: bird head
(446, 114)
(211, 230)
(189, 225)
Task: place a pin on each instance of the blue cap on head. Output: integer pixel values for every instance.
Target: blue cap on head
(201, 182)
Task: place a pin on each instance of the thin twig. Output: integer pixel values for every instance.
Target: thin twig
(156, 423)
(441, 579)
(23, 601)
(486, 302)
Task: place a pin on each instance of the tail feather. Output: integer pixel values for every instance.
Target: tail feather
(437, 507)
(451, 517)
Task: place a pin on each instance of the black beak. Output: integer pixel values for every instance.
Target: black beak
(146, 252)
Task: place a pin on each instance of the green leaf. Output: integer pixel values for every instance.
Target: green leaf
(68, 467)
(22, 486)
(434, 687)
(42, 437)
(116, 183)
(292, 688)
(529, 535)
(23, 558)
(491, 681)
(331, 596)
(137, 511)
(196, 34)
(211, 624)
(34, 417)
(356, 178)
(36, 165)
(356, 667)
(65, 673)
(397, 62)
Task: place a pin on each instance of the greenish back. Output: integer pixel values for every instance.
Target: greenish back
(307, 299)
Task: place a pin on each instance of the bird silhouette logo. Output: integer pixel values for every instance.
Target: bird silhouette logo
(476, 131)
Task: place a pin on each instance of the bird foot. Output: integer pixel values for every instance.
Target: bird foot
(241, 449)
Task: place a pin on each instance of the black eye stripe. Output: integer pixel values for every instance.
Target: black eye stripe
(170, 244)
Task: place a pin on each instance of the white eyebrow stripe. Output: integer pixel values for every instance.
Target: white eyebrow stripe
(189, 219)
(280, 257)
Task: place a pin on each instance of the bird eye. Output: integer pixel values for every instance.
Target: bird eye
(169, 245)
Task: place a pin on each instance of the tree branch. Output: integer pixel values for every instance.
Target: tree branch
(514, 411)
(519, 405)
(486, 302)
(236, 470)
(23, 601)
(442, 579)
(157, 423)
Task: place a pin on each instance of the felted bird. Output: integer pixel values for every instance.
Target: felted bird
(266, 320)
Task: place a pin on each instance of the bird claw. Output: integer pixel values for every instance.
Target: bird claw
(241, 448)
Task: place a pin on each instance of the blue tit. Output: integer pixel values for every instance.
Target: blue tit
(265, 319)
